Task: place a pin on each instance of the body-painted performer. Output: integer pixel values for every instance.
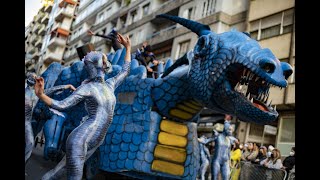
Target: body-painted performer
(100, 100)
(204, 155)
(30, 100)
(221, 156)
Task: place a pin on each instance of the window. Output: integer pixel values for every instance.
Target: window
(270, 32)
(145, 9)
(100, 17)
(188, 13)
(273, 25)
(123, 21)
(133, 15)
(183, 48)
(288, 126)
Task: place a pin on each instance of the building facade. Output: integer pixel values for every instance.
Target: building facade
(34, 35)
(58, 31)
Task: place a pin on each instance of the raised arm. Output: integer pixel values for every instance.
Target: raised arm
(51, 90)
(66, 103)
(117, 80)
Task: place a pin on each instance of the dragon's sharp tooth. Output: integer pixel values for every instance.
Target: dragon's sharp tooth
(244, 72)
(236, 87)
(269, 104)
(257, 78)
(275, 107)
(251, 100)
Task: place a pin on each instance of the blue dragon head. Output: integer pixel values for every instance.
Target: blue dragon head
(232, 74)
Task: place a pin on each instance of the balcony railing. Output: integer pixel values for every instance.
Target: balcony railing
(52, 57)
(48, 8)
(42, 30)
(36, 28)
(64, 3)
(39, 17)
(35, 54)
(56, 41)
(63, 13)
(162, 32)
(31, 49)
(39, 42)
(33, 38)
(45, 18)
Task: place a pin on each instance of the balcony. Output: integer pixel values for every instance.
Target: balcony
(38, 17)
(61, 28)
(31, 50)
(64, 3)
(35, 55)
(45, 18)
(48, 8)
(33, 38)
(38, 43)
(163, 32)
(63, 13)
(36, 28)
(52, 57)
(70, 55)
(56, 41)
(42, 30)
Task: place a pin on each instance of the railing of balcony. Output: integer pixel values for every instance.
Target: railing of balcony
(162, 31)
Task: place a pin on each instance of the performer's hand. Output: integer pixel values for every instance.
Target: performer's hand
(39, 86)
(69, 86)
(125, 41)
(149, 69)
(90, 32)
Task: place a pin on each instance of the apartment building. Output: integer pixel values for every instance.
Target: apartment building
(34, 34)
(273, 27)
(58, 31)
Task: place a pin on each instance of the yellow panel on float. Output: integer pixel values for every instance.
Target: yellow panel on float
(167, 167)
(176, 155)
(191, 105)
(186, 108)
(174, 128)
(172, 140)
(180, 114)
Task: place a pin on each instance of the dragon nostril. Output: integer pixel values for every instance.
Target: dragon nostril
(267, 65)
(287, 74)
(287, 69)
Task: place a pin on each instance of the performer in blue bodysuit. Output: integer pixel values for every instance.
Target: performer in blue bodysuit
(30, 100)
(221, 156)
(100, 100)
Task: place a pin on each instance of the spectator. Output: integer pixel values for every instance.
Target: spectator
(253, 148)
(153, 73)
(289, 161)
(235, 157)
(145, 56)
(262, 155)
(270, 148)
(245, 152)
(274, 161)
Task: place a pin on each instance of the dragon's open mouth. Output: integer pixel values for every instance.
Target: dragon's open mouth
(250, 86)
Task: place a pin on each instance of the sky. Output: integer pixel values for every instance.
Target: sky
(31, 9)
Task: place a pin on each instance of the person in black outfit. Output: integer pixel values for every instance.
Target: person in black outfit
(289, 161)
(112, 36)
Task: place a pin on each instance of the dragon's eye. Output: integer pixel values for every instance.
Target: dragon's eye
(267, 65)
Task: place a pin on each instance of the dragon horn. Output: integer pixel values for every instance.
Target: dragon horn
(198, 28)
